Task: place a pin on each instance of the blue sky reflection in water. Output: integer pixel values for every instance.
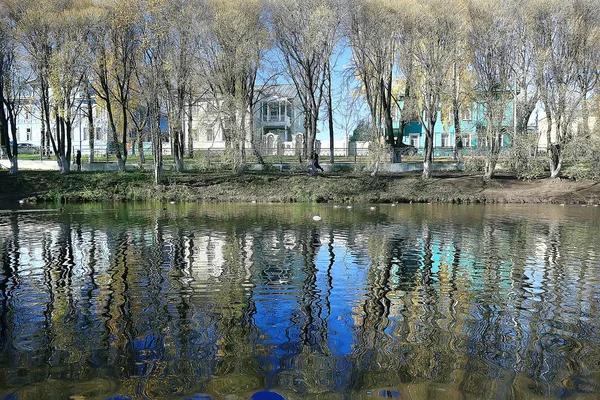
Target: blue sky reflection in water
(244, 301)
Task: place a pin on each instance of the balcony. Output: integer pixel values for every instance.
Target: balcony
(276, 120)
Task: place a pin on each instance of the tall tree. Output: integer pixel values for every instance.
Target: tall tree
(12, 83)
(373, 33)
(149, 75)
(433, 42)
(34, 21)
(526, 93)
(563, 34)
(115, 45)
(305, 34)
(182, 19)
(67, 65)
(234, 48)
(491, 38)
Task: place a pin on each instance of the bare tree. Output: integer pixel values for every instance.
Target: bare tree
(149, 76)
(305, 34)
(526, 93)
(433, 43)
(34, 22)
(180, 26)
(115, 45)
(491, 38)
(373, 33)
(12, 84)
(67, 75)
(563, 34)
(234, 48)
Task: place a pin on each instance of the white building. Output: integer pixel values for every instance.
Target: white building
(29, 126)
(278, 122)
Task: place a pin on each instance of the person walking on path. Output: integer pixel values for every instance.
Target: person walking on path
(315, 164)
(78, 160)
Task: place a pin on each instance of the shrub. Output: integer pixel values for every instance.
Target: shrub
(523, 159)
(474, 163)
(582, 158)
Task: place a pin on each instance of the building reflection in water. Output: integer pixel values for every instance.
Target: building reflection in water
(139, 302)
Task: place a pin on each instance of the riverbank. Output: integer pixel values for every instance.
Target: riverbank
(341, 187)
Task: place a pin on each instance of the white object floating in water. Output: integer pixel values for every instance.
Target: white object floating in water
(349, 207)
(172, 202)
(253, 201)
(394, 205)
(21, 201)
(372, 208)
(316, 218)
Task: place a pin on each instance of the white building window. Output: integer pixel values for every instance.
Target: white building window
(98, 133)
(85, 133)
(467, 114)
(414, 140)
(28, 134)
(446, 140)
(210, 134)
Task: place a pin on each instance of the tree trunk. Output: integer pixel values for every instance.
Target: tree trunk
(190, 131)
(312, 135)
(254, 141)
(178, 139)
(458, 144)
(177, 153)
(555, 160)
(140, 140)
(115, 137)
(429, 137)
(14, 165)
(124, 134)
(156, 144)
(585, 116)
(490, 166)
(42, 137)
(330, 114)
(331, 135)
(91, 129)
(65, 167)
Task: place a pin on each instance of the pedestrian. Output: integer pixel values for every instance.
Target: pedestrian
(78, 160)
(316, 165)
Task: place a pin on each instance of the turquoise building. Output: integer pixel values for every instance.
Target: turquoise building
(472, 127)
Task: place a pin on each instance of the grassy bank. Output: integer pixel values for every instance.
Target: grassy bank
(343, 187)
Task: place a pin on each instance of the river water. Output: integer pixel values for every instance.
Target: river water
(225, 301)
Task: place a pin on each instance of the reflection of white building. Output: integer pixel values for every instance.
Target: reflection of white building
(278, 122)
(208, 257)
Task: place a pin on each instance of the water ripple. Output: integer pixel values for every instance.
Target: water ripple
(461, 302)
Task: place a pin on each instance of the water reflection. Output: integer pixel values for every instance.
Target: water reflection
(417, 301)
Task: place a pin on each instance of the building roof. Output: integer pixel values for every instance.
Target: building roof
(287, 91)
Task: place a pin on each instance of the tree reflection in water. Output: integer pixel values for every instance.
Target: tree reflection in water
(231, 300)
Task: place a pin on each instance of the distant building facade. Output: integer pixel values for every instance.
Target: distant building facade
(277, 123)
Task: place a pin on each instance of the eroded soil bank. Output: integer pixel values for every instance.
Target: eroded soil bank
(342, 187)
